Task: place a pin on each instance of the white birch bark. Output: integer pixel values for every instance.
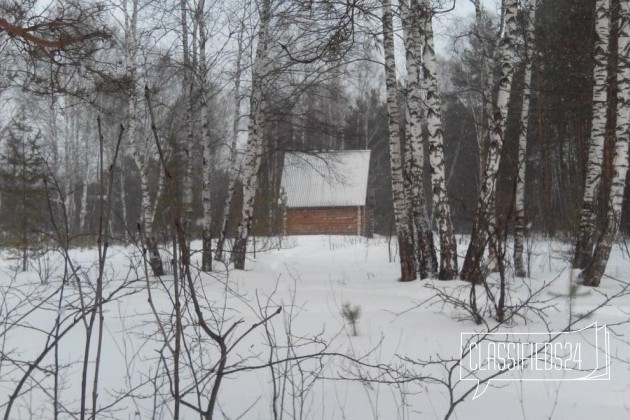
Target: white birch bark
(489, 60)
(232, 163)
(414, 149)
(490, 55)
(519, 199)
(477, 4)
(69, 140)
(158, 197)
(139, 149)
(84, 193)
(488, 68)
(485, 227)
(54, 132)
(585, 239)
(206, 192)
(123, 198)
(441, 206)
(255, 143)
(595, 271)
(85, 135)
(188, 86)
(405, 238)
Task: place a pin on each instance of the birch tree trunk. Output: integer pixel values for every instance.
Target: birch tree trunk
(441, 206)
(123, 198)
(490, 56)
(485, 227)
(519, 200)
(232, 163)
(188, 86)
(158, 197)
(488, 68)
(594, 272)
(84, 193)
(585, 240)
(69, 151)
(255, 143)
(85, 135)
(206, 253)
(414, 150)
(405, 237)
(139, 151)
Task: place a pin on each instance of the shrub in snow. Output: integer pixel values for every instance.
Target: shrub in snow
(351, 314)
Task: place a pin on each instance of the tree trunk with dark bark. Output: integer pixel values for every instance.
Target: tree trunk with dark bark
(485, 229)
(594, 272)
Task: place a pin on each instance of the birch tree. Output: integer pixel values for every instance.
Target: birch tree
(414, 149)
(405, 238)
(490, 57)
(485, 227)
(188, 86)
(519, 200)
(87, 174)
(585, 238)
(255, 143)
(594, 272)
(70, 144)
(473, 77)
(206, 190)
(139, 148)
(490, 51)
(233, 166)
(441, 206)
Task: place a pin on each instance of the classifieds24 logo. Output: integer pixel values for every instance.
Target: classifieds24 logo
(581, 355)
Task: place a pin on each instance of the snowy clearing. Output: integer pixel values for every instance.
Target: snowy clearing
(324, 373)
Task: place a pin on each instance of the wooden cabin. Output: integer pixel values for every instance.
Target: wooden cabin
(326, 193)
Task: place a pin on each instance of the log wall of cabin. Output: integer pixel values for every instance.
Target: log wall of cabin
(328, 221)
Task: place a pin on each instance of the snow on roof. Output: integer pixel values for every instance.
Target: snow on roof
(326, 179)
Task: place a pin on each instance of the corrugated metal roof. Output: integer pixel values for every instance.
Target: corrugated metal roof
(326, 179)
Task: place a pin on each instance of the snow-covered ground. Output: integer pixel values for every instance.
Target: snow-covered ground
(326, 373)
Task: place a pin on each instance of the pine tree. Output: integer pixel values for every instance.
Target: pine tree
(22, 186)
